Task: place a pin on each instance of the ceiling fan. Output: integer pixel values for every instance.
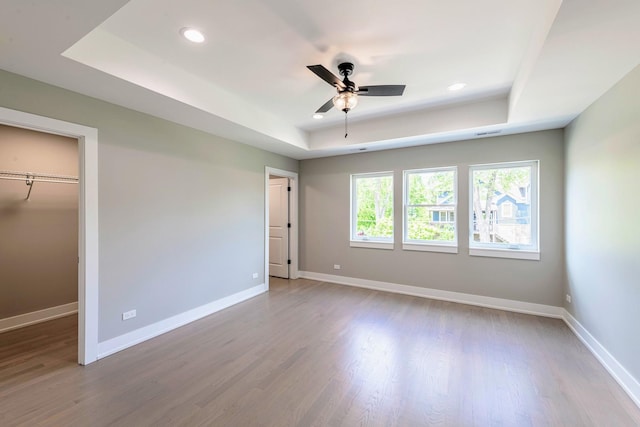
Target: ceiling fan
(348, 92)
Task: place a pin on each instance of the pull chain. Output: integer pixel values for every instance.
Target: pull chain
(345, 124)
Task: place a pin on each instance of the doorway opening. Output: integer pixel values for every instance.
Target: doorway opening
(87, 219)
(38, 244)
(281, 224)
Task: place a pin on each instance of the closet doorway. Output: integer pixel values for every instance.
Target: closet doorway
(38, 224)
(84, 254)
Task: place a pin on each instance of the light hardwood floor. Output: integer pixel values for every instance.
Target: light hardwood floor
(310, 353)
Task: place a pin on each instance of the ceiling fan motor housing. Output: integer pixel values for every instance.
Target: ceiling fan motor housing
(345, 68)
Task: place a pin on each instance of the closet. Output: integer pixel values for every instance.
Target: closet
(38, 227)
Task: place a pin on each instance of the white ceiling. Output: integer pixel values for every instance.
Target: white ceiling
(528, 64)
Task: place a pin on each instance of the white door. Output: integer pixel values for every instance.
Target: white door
(278, 227)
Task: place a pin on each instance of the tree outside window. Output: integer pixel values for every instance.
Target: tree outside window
(430, 206)
(372, 207)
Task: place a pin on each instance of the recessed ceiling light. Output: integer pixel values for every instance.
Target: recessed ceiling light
(318, 116)
(192, 35)
(457, 86)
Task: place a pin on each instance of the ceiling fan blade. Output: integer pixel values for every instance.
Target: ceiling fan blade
(327, 76)
(381, 90)
(326, 107)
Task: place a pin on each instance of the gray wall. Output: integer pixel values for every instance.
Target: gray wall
(38, 237)
(181, 212)
(602, 217)
(324, 232)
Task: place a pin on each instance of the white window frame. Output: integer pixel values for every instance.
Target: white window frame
(502, 250)
(369, 242)
(429, 245)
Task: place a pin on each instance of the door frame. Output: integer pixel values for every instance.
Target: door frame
(293, 219)
(87, 219)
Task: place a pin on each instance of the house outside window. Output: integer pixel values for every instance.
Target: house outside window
(504, 210)
(372, 210)
(430, 203)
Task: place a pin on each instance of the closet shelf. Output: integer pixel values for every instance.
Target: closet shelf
(30, 177)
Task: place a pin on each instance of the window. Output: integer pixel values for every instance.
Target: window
(372, 210)
(504, 210)
(507, 210)
(443, 216)
(430, 202)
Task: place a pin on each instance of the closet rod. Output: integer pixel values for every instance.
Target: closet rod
(30, 177)
(38, 177)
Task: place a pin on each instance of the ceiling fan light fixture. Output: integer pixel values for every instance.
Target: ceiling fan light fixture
(345, 100)
(192, 35)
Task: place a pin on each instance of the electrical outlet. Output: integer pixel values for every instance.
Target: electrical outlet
(129, 315)
(568, 298)
(255, 275)
(336, 266)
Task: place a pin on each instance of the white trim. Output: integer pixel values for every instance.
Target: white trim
(505, 253)
(628, 383)
(425, 247)
(371, 244)
(478, 300)
(293, 212)
(132, 338)
(88, 233)
(26, 319)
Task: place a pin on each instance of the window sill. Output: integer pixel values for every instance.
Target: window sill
(429, 247)
(505, 253)
(371, 245)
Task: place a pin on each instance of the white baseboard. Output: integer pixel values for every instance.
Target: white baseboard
(132, 338)
(628, 383)
(459, 297)
(39, 316)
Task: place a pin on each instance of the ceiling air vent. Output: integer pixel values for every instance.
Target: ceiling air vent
(491, 132)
